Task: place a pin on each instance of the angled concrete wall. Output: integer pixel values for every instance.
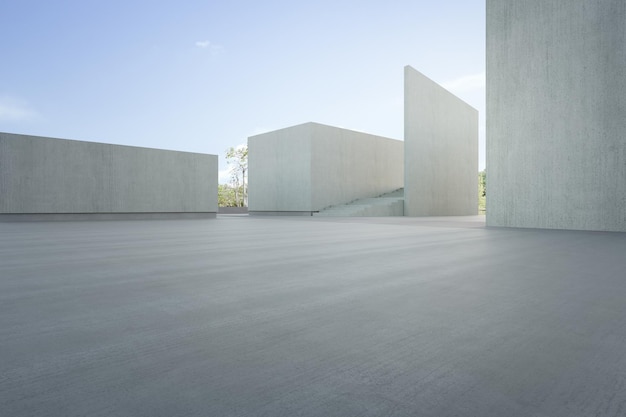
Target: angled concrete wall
(556, 114)
(306, 168)
(57, 179)
(441, 150)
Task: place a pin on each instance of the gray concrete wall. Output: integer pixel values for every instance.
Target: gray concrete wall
(347, 165)
(441, 150)
(279, 170)
(556, 114)
(57, 179)
(308, 167)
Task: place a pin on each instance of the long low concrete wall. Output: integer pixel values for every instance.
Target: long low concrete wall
(306, 168)
(57, 179)
(556, 114)
(441, 150)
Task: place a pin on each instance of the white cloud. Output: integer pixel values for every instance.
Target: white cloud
(466, 83)
(211, 47)
(15, 110)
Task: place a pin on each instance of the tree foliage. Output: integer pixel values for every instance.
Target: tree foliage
(482, 183)
(482, 191)
(226, 195)
(237, 159)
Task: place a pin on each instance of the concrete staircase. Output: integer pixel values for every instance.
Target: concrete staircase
(390, 204)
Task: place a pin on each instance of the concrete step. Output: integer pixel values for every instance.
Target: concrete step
(389, 204)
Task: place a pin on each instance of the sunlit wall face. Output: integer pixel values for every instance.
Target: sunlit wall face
(441, 150)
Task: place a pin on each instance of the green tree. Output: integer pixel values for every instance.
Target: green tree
(226, 196)
(482, 191)
(237, 158)
(482, 183)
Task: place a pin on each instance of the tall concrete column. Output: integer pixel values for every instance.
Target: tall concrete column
(556, 114)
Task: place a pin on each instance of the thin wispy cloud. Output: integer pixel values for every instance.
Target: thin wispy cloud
(210, 46)
(203, 44)
(15, 110)
(466, 83)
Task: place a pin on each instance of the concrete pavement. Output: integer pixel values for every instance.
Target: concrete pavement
(252, 316)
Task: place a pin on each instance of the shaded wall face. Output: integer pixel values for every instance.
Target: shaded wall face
(348, 165)
(279, 164)
(441, 150)
(556, 114)
(49, 176)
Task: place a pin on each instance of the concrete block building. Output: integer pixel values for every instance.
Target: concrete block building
(303, 169)
(57, 179)
(556, 114)
(440, 150)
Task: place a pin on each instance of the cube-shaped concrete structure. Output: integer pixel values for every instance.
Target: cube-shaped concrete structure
(306, 168)
(441, 150)
(57, 179)
(556, 114)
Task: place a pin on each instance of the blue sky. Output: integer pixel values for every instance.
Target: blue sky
(202, 76)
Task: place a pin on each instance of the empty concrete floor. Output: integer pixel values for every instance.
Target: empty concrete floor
(243, 316)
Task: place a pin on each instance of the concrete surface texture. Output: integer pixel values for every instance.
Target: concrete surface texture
(308, 167)
(556, 114)
(441, 150)
(45, 178)
(253, 316)
(388, 204)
